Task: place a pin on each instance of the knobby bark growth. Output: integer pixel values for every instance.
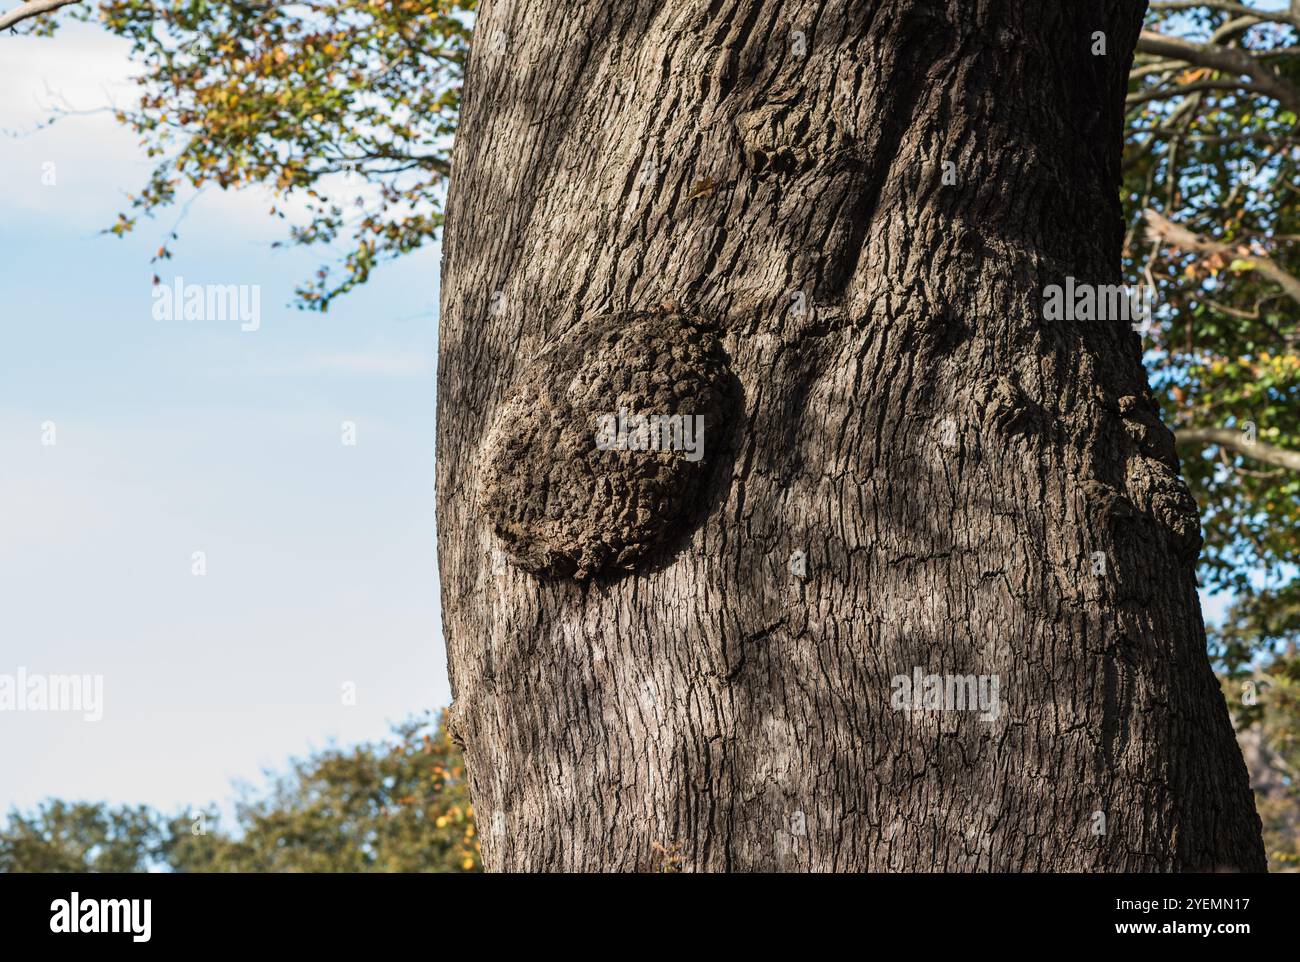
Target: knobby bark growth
(908, 467)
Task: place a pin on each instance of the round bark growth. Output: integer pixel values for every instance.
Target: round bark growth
(600, 453)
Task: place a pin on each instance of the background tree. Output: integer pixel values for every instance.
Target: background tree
(79, 837)
(400, 806)
(1261, 679)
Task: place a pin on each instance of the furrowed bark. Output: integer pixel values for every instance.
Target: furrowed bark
(907, 467)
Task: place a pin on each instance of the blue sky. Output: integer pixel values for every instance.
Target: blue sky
(175, 437)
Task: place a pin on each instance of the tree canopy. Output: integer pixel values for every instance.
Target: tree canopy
(396, 806)
(346, 105)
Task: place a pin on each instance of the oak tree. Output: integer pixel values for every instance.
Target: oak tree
(826, 228)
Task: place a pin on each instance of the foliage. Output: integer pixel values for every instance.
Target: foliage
(1267, 700)
(346, 105)
(79, 837)
(397, 807)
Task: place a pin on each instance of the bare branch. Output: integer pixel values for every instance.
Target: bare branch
(1163, 229)
(1229, 60)
(1238, 443)
(29, 9)
(1237, 9)
(1198, 86)
(1258, 137)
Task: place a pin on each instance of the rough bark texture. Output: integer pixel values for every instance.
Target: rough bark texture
(963, 486)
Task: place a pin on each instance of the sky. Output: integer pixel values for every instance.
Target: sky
(174, 437)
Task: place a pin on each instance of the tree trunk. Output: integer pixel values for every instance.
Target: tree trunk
(827, 229)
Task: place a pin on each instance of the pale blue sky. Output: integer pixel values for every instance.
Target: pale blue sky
(177, 437)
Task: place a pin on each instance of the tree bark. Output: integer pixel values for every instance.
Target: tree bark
(827, 228)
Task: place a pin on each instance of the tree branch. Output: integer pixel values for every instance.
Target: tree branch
(1163, 229)
(1197, 86)
(1227, 60)
(29, 9)
(1237, 442)
(1239, 9)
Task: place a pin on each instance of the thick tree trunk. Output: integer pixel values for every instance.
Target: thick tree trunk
(739, 209)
